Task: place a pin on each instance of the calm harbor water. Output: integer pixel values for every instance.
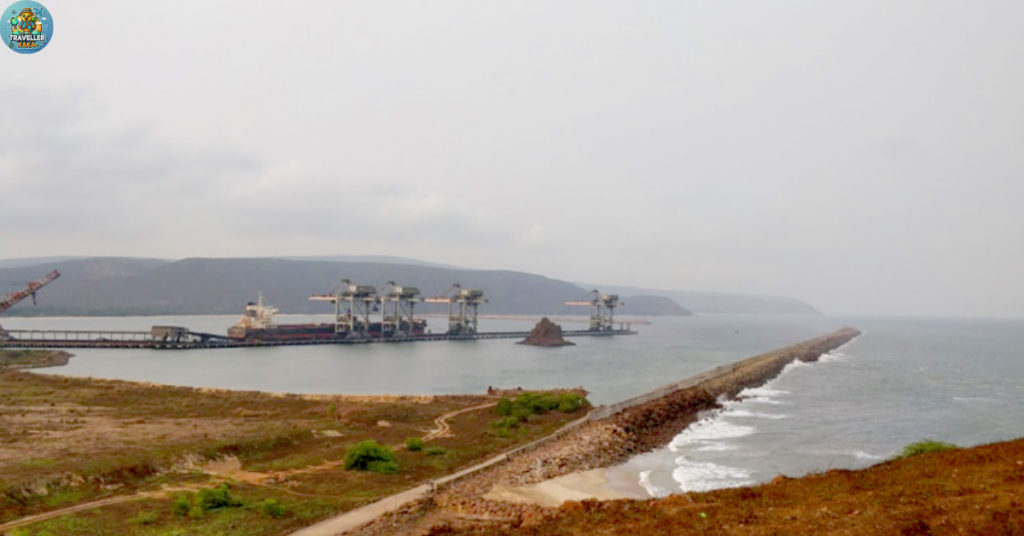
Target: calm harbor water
(904, 380)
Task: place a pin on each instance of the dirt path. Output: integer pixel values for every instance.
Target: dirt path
(231, 468)
(444, 429)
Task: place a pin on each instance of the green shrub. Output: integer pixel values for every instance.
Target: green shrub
(332, 411)
(213, 498)
(504, 407)
(271, 508)
(924, 447)
(506, 422)
(436, 451)
(414, 443)
(362, 455)
(196, 512)
(181, 505)
(570, 402)
(383, 467)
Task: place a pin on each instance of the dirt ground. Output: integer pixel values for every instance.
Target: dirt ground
(68, 443)
(967, 491)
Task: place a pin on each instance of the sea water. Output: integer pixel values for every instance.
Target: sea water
(903, 380)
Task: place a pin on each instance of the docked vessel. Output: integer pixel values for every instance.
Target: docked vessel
(258, 324)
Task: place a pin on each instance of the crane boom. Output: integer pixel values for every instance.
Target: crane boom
(10, 300)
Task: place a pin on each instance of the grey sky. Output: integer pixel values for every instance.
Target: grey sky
(862, 156)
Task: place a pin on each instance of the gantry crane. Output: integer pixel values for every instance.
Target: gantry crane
(10, 300)
(602, 309)
(397, 308)
(360, 301)
(462, 308)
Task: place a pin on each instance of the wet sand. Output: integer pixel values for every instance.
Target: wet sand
(602, 484)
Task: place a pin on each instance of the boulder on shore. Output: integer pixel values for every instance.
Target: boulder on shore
(546, 333)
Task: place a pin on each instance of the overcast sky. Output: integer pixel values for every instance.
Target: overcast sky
(865, 157)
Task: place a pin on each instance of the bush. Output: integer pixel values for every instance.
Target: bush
(436, 451)
(181, 506)
(414, 443)
(506, 422)
(271, 508)
(504, 407)
(383, 467)
(196, 512)
(362, 455)
(212, 498)
(924, 447)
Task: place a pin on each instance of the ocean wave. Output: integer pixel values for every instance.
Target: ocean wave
(761, 395)
(832, 357)
(973, 399)
(861, 455)
(753, 414)
(653, 490)
(706, 476)
(707, 432)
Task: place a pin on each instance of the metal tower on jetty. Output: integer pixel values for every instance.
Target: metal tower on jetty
(462, 308)
(602, 309)
(397, 309)
(360, 301)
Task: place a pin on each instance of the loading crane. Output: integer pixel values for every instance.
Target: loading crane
(602, 309)
(10, 300)
(360, 301)
(398, 304)
(462, 308)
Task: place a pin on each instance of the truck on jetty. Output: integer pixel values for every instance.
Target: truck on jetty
(258, 324)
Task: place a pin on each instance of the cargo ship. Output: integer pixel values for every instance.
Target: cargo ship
(258, 324)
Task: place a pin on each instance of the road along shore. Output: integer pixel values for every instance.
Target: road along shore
(612, 435)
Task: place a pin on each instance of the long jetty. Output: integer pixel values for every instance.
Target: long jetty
(184, 339)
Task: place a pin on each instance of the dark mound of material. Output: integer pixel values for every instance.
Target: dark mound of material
(546, 333)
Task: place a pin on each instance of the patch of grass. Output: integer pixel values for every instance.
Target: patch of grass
(437, 451)
(62, 497)
(924, 447)
(144, 518)
(40, 462)
(272, 508)
(414, 444)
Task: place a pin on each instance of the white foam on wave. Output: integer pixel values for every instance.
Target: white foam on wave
(861, 455)
(832, 357)
(653, 489)
(707, 432)
(753, 414)
(973, 399)
(762, 395)
(706, 476)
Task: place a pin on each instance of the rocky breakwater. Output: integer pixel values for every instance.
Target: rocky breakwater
(546, 333)
(614, 435)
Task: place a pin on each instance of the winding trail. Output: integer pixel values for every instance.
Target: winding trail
(444, 429)
(230, 468)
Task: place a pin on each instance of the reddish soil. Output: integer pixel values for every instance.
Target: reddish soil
(968, 491)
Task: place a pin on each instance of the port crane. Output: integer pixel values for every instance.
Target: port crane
(10, 300)
(397, 305)
(602, 309)
(462, 308)
(359, 302)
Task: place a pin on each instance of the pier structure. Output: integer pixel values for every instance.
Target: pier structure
(181, 338)
(602, 309)
(462, 308)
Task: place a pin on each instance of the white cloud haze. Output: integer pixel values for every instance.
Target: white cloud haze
(862, 156)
